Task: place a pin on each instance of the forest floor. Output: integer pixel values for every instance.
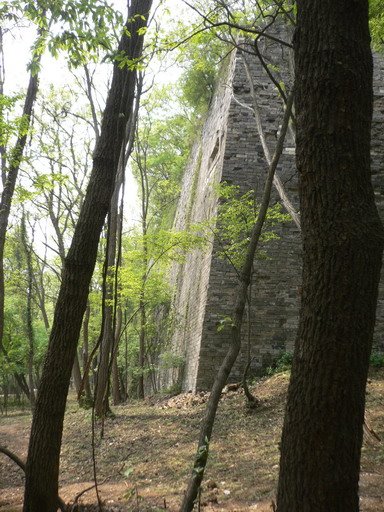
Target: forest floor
(145, 456)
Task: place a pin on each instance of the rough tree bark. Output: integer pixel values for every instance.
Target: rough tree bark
(342, 248)
(42, 468)
(21, 464)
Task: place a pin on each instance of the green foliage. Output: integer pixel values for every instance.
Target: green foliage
(143, 282)
(225, 323)
(173, 390)
(377, 360)
(10, 125)
(236, 217)
(199, 52)
(202, 56)
(171, 360)
(211, 37)
(80, 29)
(376, 22)
(163, 247)
(162, 147)
(15, 338)
(282, 363)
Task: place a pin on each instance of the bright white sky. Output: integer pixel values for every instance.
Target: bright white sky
(17, 53)
(54, 71)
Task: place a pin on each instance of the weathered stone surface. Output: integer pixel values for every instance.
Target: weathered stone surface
(230, 149)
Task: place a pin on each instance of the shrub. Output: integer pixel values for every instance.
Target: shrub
(282, 363)
(377, 360)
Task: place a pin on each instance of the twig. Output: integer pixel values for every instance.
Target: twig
(236, 26)
(13, 457)
(370, 432)
(21, 465)
(202, 451)
(276, 180)
(78, 496)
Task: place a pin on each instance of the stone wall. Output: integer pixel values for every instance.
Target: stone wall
(274, 292)
(230, 150)
(377, 152)
(198, 203)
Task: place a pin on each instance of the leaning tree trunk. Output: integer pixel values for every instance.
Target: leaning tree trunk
(206, 428)
(107, 342)
(85, 354)
(42, 468)
(342, 249)
(28, 311)
(102, 381)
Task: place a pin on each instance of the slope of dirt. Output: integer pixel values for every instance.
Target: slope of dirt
(146, 454)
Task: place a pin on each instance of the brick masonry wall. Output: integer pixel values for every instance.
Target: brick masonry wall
(198, 203)
(229, 149)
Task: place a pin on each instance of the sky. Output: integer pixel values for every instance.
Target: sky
(17, 46)
(17, 50)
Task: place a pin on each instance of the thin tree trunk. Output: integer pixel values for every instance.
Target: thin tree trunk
(116, 391)
(5, 387)
(116, 395)
(42, 468)
(342, 249)
(2, 78)
(28, 313)
(89, 92)
(142, 300)
(40, 292)
(85, 354)
(76, 373)
(276, 180)
(10, 176)
(143, 321)
(233, 351)
(107, 342)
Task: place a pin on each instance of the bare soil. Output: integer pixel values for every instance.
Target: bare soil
(145, 456)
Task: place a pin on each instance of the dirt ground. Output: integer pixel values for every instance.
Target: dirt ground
(145, 456)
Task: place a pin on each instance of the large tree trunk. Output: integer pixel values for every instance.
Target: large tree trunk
(42, 468)
(342, 249)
